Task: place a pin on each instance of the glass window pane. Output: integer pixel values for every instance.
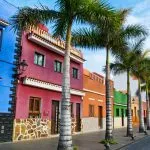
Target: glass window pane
(58, 66)
(75, 73)
(40, 60)
(35, 58)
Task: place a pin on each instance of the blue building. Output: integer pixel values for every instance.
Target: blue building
(8, 60)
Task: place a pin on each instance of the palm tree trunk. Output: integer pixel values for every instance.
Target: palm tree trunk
(108, 134)
(148, 109)
(141, 118)
(129, 115)
(65, 137)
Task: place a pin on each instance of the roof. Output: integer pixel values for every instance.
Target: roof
(3, 22)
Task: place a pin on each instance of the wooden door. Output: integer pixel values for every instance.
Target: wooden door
(122, 116)
(78, 118)
(100, 121)
(55, 117)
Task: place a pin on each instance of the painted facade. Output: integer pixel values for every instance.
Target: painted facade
(94, 109)
(135, 111)
(120, 109)
(41, 84)
(7, 66)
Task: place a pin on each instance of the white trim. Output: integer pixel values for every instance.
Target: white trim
(49, 86)
(51, 47)
(120, 104)
(100, 100)
(4, 23)
(93, 92)
(92, 99)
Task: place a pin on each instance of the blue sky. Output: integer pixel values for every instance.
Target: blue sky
(96, 60)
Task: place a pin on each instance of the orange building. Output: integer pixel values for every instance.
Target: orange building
(135, 111)
(94, 110)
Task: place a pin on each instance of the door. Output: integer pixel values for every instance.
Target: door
(135, 114)
(78, 119)
(122, 116)
(55, 117)
(100, 122)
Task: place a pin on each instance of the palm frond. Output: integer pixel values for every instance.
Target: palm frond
(26, 17)
(87, 38)
(117, 68)
(134, 31)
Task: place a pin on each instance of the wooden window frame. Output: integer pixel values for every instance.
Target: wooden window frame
(33, 113)
(91, 110)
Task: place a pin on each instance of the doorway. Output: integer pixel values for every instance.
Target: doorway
(55, 117)
(122, 116)
(78, 118)
(100, 121)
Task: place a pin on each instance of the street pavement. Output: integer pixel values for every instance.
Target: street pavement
(143, 144)
(88, 141)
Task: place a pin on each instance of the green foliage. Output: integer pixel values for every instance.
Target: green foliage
(75, 148)
(111, 141)
(126, 61)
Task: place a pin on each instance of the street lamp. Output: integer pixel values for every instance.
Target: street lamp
(22, 67)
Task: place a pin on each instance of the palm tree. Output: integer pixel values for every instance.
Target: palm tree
(138, 70)
(125, 63)
(112, 38)
(68, 12)
(146, 87)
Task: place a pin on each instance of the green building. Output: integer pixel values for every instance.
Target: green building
(120, 109)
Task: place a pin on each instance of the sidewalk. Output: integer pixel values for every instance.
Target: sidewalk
(88, 141)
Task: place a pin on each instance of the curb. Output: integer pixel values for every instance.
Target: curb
(132, 142)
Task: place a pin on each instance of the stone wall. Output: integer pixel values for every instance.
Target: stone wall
(31, 129)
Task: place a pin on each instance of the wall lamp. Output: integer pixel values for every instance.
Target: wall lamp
(22, 67)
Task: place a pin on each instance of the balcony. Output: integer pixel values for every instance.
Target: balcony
(44, 39)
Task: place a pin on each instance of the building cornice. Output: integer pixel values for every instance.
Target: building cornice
(49, 86)
(120, 104)
(86, 90)
(44, 39)
(3, 22)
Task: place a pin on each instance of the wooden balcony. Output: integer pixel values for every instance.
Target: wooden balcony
(37, 35)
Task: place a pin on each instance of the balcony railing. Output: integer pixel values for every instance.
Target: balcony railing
(55, 41)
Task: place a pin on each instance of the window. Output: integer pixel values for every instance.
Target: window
(75, 73)
(0, 37)
(38, 59)
(58, 66)
(34, 107)
(117, 112)
(91, 110)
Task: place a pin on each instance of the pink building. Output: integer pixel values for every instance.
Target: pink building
(39, 90)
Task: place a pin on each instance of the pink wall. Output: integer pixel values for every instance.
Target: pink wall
(24, 93)
(47, 73)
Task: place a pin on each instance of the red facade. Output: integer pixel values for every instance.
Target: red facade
(42, 81)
